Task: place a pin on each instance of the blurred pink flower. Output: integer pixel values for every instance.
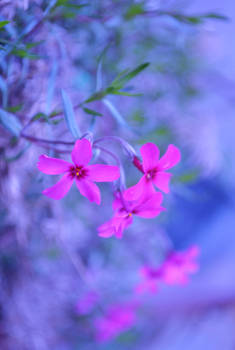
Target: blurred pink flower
(117, 319)
(146, 207)
(84, 175)
(179, 265)
(150, 279)
(174, 270)
(154, 170)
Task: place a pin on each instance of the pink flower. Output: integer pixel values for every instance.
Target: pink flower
(150, 280)
(84, 175)
(174, 270)
(146, 207)
(179, 265)
(154, 170)
(117, 319)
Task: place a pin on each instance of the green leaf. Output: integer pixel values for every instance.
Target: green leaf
(134, 10)
(69, 115)
(3, 23)
(96, 96)
(25, 54)
(197, 19)
(124, 78)
(39, 116)
(92, 112)
(14, 109)
(216, 16)
(117, 84)
(33, 44)
(124, 93)
(10, 122)
(69, 4)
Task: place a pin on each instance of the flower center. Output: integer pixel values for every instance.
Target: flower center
(151, 174)
(78, 172)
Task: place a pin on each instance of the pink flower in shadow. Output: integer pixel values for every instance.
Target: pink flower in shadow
(154, 170)
(116, 320)
(84, 175)
(146, 207)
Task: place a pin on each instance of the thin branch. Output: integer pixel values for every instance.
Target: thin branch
(39, 140)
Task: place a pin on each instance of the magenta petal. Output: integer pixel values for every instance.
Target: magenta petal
(60, 189)
(170, 158)
(103, 173)
(150, 156)
(89, 190)
(82, 152)
(150, 207)
(121, 225)
(162, 180)
(106, 230)
(117, 203)
(193, 251)
(136, 191)
(52, 166)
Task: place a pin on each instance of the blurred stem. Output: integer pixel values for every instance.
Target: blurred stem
(127, 147)
(36, 139)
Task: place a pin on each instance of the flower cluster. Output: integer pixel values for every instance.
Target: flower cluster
(141, 199)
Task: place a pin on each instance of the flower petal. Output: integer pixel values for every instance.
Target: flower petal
(122, 224)
(150, 156)
(170, 158)
(150, 207)
(52, 166)
(82, 152)
(103, 173)
(117, 202)
(193, 251)
(162, 180)
(89, 190)
(60, 189)
(138, 190)
(107, 229)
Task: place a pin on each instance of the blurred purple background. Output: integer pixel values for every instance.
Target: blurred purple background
(51, 257)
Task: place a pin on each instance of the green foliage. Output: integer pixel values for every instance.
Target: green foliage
(116, 86)
(40, 116)
(92, 112)
(69, 4)
(3, 24)
(23, 53)
(134, 10)
(188, 177)
(125, 76)
(197, 19)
